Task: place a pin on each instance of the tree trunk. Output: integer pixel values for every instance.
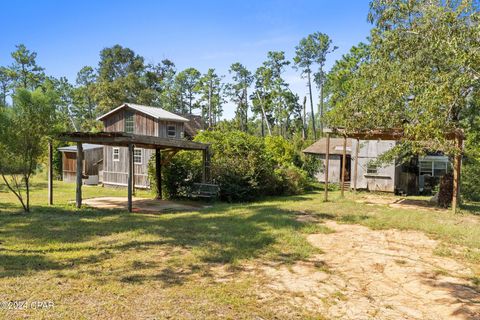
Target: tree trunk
(246, 109)
(311, 106)
(321, 110)
(304, 120)
(27, 187)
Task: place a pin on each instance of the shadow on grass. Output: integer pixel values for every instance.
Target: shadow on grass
(472, 207)
(223, 237)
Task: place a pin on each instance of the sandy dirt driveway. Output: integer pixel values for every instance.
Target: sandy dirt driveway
(377, 274)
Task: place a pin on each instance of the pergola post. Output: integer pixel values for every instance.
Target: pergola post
(355, 169)
(130, 177)
(206, 165)
(79, 174)
(327, 160)
(158, 172)
(133, 170)
(457, 165)
(50, 173)
(344, 159)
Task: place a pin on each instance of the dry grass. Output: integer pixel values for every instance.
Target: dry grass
(111, 264)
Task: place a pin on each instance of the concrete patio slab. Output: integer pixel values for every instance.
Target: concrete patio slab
(143, 204)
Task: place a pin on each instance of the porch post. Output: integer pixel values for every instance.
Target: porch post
(344, 159)
(327, 160)
(457, 165)
(130, 177)
(158, 172)
(50, 172)
(79, 174)
(133, 170)
(357, 148)
(204, 176)
(207, 164)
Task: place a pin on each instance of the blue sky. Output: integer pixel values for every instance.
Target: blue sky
(68, 35)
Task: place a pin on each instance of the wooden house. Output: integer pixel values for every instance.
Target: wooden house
(92, 163)
(418, 176)
(335, 159)
(140, 120)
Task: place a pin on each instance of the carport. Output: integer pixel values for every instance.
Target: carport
(165, 149)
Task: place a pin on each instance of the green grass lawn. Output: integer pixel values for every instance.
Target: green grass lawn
(112, 264)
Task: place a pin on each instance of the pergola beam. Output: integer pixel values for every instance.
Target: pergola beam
(120, 139)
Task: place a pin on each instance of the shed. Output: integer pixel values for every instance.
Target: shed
(92, 161)
(319, 149)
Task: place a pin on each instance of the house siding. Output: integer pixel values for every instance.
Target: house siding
(116, 172)
(384, 179)
(334, 170)
(89, 164)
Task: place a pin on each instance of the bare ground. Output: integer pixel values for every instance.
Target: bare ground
(368, 274)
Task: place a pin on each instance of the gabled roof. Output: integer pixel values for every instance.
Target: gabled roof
(336, 146)
(156, 112)
(86, 146)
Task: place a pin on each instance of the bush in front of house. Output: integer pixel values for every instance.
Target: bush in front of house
(470, 180)
(246, 167)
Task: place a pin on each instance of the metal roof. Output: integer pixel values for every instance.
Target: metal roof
(155, 112)
(86, 146)
(336, 146)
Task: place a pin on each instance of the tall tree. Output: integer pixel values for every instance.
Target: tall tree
(210, 88)
(422, 73)
(338, 85)
(25, 72)
(24, 129)
(238, 92)
(187, 86)
(277, 63)
(262, 97)
(168, 96)
(84, 98)
(6, 82)
(121, 79)
(311, 50)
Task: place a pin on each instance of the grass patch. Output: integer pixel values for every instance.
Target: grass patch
(110, 263)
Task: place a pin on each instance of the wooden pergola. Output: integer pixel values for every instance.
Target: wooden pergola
(389, 134)
(166, 146)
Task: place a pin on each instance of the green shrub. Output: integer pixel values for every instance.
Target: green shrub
(179, 175)
(245, 167)
(292, 180)
(470, 181)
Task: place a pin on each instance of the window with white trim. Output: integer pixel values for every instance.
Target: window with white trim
(171, 131)
(372, 169)
(137, 156)
(436, 168)
(129, 121)
(116, 154)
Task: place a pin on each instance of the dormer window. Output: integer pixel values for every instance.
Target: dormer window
(129, 122)
(171, 131)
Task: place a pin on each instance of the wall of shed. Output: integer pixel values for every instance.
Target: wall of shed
(116, 172)
(144, 124)
(334, 168)
(90, 160)
(384, 179)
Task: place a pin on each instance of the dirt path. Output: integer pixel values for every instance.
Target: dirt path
(386, 274)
